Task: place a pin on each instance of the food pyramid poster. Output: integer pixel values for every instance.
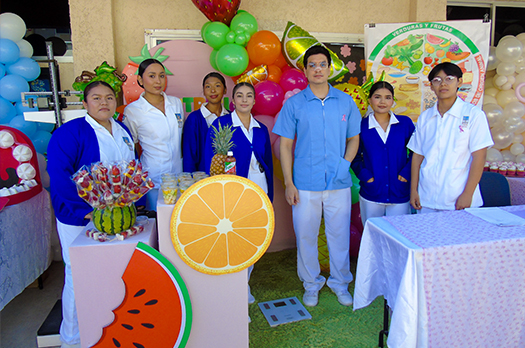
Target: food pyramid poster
(407, 52)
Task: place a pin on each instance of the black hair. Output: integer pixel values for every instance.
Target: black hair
(318, 49)
(144, 65)
(449, 69)
(240, 84)
(379, 85)
(217, 76)
(94, 84)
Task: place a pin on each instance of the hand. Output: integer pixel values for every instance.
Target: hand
(370, 180)
(89, 216)
(464, 201)
(414, 200)
(400, 178)
(292, 194)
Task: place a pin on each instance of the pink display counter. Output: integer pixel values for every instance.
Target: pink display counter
(97, 277)
(219, 303)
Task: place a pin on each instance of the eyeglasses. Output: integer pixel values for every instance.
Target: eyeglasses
(436, 81)
(322, 65)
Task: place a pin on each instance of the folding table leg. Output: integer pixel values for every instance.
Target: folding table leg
(383, 333)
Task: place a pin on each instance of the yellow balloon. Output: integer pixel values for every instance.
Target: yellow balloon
(356, 92)
(254, 76)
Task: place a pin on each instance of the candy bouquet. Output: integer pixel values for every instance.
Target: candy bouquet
(112, 190)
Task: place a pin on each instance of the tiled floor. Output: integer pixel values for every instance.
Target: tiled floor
(23, 316)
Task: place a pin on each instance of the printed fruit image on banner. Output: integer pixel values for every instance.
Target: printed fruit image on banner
(406, 53)
(222, 224)
(156, 310)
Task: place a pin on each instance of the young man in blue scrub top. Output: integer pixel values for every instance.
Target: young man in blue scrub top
(326, 123)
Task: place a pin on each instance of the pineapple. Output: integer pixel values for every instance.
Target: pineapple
(221, 145)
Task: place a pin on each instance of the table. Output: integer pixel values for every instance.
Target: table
(451, 279)
(97, 269)
(517, 190)
(25, 237)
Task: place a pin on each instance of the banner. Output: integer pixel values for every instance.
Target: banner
(407, 52)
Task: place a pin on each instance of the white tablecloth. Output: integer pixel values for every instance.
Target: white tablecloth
(25, 235)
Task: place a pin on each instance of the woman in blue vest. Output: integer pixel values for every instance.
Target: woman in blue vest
(383, 162)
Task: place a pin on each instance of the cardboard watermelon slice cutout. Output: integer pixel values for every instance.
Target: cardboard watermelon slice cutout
(156, 310)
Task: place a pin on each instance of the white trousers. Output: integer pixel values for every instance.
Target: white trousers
(371, 209)
(69, 333)
(336, 206)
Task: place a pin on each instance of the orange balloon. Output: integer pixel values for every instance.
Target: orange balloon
(264, 47)
(274, 73)
(280, 61)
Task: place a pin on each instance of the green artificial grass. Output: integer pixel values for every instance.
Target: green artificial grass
(332, 325)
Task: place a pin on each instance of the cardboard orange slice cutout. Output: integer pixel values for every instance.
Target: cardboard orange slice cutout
(222, 224)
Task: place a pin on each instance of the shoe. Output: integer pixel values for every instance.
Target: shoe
(310, 298)
(251, 299)
(344, 297)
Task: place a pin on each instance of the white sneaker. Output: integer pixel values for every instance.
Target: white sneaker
(310, 298)
(344, 297)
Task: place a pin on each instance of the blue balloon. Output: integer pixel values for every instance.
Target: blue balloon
(9, 51)
(26, 127)
(7, 111)
(40, 140)
(2, 70)
(47, 127)
(20, 109)
(11, 86)
(25, 67)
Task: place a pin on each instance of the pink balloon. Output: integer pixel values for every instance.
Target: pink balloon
(293, 78)
(276, 150)
(268, 98)
(269, 122)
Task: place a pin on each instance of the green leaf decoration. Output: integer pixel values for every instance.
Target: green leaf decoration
(144, 54)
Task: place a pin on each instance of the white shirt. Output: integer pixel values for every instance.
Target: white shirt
(254, 174)
(159, 134)
(113, 147)
(447, 143)
(372, 123)
(209, 116)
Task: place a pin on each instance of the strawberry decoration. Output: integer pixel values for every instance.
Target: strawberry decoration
(218, 10)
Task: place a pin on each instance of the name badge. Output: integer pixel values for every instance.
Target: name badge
(179, 119)
(464, 124)
(128, 142)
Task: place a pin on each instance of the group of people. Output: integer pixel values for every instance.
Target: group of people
(435, 165)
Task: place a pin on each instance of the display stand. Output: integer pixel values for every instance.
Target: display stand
(219, 303)
(97, 269)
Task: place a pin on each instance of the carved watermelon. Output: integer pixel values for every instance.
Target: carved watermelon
(156, 310)
(113, 220)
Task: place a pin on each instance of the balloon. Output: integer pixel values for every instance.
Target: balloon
(494, 113)
(503, 97)
(11, 86)
(213, 59)
(276, 148)
(7, 111)
(357, 94)
(501, 138)
(520, 158)
(26, 50)
(254, 76)
(218, 10)
(264, 47)
(520, 78)
(214, 34)
(245, 21)
(493, 155)
(514, 110)
(493, 61)
(280, 61)
(506, 69)
(500, 80)
(508, 156)
(513, 125)
(28, 128)
(9, 51)
(274, 73)
(25, 67)
(491, 91)
(47, 127)
(509, 49)
(20, 108)
(292, 79)
(518, 138)
(2, 70)
(268, 98)
(518, 92)
(517, 149)
(296, 41)
(232, 59)
(12, 27)
(40, 140)
(269, 122)
(489, 82)
(489, 100)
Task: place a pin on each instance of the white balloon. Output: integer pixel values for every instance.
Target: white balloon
(489, 82)
(493, 155)
(520, 61)
(521, 37)
(511, 79)
(517, 149)
(505, 97)
(500, 80)
(520, 69)
(489, 100)
(514, 126)
(506, 86)
(520, 127)
(493, 61)
(491, 92)
(502, 138)
(12, 27)
(494, 113)
(520, 158)
(520, 78)
(26, 50)
(518, 138)
(508, 156)
(514, 110)
(509, 49)
(506, 68)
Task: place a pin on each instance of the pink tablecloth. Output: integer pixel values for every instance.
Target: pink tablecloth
(473, 278)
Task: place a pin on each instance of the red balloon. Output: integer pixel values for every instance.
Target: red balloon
(292, 79)
(218, 10)
(268, 98)
(274, 73)
(264, 47)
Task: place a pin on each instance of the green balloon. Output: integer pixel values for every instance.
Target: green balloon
(244, 21)
(230, 37)
(213, 59)
(232, 59)
(214, 34)
(355, 187)
(240, 39)
(203, 29)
